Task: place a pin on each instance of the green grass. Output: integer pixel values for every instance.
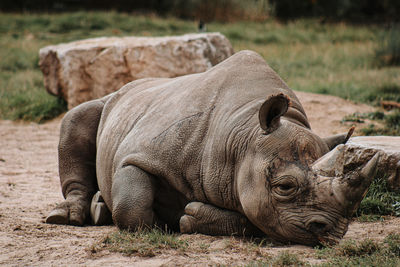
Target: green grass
(336, 59)
(28, 100)
(388, 52)
(385, 92)
(379, 201)
(287, 259)
(363, 253)
(389, 122)
(143, 243)
(284, 258)
(391, 125)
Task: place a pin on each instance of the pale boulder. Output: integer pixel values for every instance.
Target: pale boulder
(358, 151)
(88, 69)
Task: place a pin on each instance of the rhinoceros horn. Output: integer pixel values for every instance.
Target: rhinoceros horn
(348, 188)
(334, 140)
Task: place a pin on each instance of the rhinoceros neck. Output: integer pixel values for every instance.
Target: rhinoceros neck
(230, 135)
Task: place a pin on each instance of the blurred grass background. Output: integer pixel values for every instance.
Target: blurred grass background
(356, 62)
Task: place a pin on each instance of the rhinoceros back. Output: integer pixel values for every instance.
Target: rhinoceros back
(176, 128)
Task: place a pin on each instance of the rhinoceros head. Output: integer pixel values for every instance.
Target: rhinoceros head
(288, 185)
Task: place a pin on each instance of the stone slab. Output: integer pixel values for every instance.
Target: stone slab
(88, 69)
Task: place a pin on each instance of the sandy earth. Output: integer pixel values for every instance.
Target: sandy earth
(29, 189)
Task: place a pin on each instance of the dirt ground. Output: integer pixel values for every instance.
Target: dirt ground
(29, 189)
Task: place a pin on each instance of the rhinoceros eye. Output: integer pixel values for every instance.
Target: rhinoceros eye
(285, 186)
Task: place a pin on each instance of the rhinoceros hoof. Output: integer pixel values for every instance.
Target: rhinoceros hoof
(193, 208)
(99, 212)
(186, 224)
(188, 221)
(68, 212)
(58, 216)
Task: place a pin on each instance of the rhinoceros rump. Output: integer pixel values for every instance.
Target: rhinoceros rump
(227, 151)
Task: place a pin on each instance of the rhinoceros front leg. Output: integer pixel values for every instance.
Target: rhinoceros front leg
(208, 219)
(76, 157)
(132, 195)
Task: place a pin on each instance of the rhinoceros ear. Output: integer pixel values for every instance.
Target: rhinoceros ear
(271, 111)
(334, 140)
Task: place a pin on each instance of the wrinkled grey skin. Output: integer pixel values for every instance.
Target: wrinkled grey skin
(227, 151)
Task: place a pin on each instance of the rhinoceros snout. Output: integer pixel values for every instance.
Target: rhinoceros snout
(348, 185)
(339, 189)
(318, 227)
(327, 231)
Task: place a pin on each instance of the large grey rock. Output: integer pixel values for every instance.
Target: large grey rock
(359, 150)
(88, 69)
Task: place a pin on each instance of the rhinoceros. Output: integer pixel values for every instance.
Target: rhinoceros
(227, 151)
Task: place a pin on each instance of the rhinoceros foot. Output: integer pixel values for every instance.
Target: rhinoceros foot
(99, 212)
(71, 211)
(58, 216)
(210, 220)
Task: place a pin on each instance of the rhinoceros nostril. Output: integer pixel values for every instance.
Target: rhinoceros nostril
(318, 227)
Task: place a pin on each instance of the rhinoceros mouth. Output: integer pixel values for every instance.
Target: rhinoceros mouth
(333, 234)
(315, 230)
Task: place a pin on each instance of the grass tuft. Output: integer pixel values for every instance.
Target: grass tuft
(363, 253)
(389, 92)
(286, 258)
(350, 248)
(393, 243)
(390, 122)
(379, 200)
(391, 125)
(369, 218)
(143, 243)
